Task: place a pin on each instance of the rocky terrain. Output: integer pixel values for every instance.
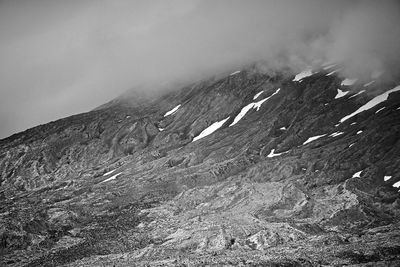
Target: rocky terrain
(284, 177)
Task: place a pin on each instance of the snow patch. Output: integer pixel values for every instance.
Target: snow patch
(255, 105)
(303, 74)
(386, 178)
(272, 153)
(210, 129)
(397, 184)
(341, 93)
(332, 72)
(379, 110)
(348, 82)
(161, 129)
(359, 93)
(282, 128)
(258, 104)
(353, 123)
(172, 110)
(336, 134)
(368, 84)
(313, 138)
(359, 132)
(233, 73)
(242, 113)
(352, 144)
(357, 174)
(107, 173)
(111, 178)
(372, 103)
(257, 95)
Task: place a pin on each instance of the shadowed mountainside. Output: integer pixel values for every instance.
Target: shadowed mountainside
(126, 185)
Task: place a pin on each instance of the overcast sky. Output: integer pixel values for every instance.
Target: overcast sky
(59, 58)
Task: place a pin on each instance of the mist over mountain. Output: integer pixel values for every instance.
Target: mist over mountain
(62, 58)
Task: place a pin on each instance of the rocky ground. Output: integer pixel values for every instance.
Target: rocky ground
(125, 185)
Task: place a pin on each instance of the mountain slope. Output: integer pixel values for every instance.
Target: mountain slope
(278, 180)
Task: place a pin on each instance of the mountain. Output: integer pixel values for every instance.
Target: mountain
(250, 169)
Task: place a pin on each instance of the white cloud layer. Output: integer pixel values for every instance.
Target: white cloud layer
(58, 58)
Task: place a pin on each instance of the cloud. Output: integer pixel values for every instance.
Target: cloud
(366, 38)
(58, 58)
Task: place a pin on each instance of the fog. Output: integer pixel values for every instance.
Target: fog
(59, 58)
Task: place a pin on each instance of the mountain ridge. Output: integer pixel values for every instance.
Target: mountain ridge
(126, 185)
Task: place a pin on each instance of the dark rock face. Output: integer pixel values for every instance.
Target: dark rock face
(125, 185)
